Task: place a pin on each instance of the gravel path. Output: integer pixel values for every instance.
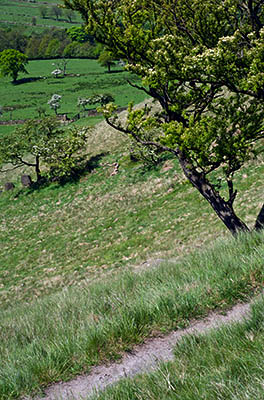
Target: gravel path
(143, 358)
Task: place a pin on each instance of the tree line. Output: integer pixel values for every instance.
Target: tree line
(51, 43)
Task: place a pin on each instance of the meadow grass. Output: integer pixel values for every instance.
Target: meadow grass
(66, 333)
(84, 78)
(226, 364)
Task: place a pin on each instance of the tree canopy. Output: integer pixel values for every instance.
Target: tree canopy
(12, 62)
(203, 62)
(43, 142)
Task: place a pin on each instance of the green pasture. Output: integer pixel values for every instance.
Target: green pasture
(20, 14)
(84, 78)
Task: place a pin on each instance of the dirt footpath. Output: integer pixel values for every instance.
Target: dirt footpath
(143, 358)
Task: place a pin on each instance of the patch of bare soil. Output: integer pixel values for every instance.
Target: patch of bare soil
(143, 358)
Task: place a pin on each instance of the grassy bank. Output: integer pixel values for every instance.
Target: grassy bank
(64, 334)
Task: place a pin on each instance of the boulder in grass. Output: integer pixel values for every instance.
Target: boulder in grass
(26, 180)
(9, 186)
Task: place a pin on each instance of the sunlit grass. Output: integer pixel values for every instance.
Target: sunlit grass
(226, 364)
(61, 335)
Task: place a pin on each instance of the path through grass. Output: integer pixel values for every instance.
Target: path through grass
(226, 364)
(62, 335)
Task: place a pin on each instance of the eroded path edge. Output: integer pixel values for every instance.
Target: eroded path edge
(143, 358)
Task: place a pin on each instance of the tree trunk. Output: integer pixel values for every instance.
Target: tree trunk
(223, 208)
(260, 220)
(37, 169)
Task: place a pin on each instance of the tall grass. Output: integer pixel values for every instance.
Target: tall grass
(226, 364)
(62, 335)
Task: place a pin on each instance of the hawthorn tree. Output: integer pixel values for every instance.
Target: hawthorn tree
(54, 102)
(43, 142)
(203, 62)
(12, 62)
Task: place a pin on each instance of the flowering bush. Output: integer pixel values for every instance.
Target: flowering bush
(54, 102)
(57, 72)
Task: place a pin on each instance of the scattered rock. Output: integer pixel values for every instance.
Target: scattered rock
(9, 186)
(115, 171)
(26, 180)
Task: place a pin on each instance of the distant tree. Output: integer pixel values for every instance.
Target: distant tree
(106, 60)
(101, 99)
(53, 49)
(72, 50)
(43, 142)
(32, 49)
(82, 103)
(43, 10)
(61, 65)
(54, 102)
(56, 12)
(12, 62)
(69, 14)
(13, 38)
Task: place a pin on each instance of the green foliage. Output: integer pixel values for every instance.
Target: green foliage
(43, 141)
(106, 60)
(203, 62)
(12, 62)
(78, 34)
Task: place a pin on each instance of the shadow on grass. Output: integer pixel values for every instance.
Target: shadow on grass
(84, 167)
(26, 80)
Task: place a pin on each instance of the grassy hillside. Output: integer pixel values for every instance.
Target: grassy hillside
(61, 335)
(19, 13)
(91, 237)
(58, 235)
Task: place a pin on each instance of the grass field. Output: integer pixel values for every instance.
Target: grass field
(84, 78)
(20, 13)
